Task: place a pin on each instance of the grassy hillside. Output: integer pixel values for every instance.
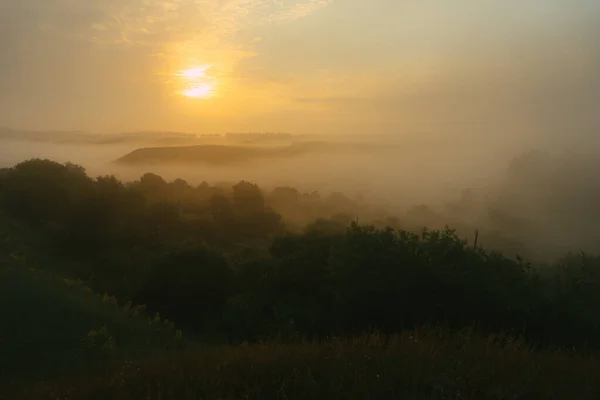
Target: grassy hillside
(215, 154)
(55, 327)
(416, 365)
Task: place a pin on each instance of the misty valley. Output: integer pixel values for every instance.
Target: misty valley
(307, 199)
(121, 276)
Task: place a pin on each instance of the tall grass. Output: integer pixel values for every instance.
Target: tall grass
(412, 365)
(53, 327)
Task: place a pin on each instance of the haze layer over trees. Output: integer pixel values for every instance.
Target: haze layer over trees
(235, 263)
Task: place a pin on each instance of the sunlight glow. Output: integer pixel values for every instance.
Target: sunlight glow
(196, 82)
(194, 73)
(201, 91)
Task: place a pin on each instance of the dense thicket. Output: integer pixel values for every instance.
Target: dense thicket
(222, 261)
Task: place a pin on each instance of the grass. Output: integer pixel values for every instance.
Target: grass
(55, 327)
(417, 365)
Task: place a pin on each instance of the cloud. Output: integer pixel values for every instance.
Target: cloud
(178, 34)
(152, 22)
(147, 22)
(299, 10)
(380, 61)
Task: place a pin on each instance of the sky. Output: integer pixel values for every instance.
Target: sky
(483, 68)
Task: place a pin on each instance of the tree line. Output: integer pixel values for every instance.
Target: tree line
(222, 262)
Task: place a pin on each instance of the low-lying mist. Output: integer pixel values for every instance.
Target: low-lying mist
(546, 200)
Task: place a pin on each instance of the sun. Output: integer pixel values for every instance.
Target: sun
(197, 84)
(202, 91)
(194, 73)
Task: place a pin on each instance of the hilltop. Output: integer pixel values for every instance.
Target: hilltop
(218, 154)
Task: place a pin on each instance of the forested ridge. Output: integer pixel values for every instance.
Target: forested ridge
(233, 264)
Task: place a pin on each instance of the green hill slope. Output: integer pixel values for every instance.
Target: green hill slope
(52, 327)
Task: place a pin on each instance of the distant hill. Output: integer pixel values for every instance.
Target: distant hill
(228, 154)
(81, 137)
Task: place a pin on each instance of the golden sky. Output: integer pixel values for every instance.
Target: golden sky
(304, 66)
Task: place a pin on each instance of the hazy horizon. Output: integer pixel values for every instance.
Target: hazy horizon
(450, 92)
(523, 71)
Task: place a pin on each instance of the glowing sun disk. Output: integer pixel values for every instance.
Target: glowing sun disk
(203, 90)
(194, 73)
(196, 82)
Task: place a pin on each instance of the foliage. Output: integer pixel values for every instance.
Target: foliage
(190, 286)
(56, 326)
(223, 263)
(413, 365)
(218, 262)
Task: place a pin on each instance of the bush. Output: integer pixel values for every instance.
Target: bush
(190, 286)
